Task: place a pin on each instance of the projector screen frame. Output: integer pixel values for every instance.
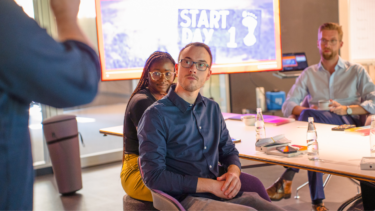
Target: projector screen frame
(221, 68)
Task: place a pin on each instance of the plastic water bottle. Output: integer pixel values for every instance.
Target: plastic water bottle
(312, 142)
(372, 136)
(259, 125)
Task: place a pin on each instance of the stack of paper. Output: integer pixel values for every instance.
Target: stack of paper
(364, 131)
(267, 144)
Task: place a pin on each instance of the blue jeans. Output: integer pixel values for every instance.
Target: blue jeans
(315, 178)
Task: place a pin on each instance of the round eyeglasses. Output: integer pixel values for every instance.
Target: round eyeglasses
(187, 63)
(157, 75)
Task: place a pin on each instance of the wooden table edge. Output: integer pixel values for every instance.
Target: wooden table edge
(326, 171)
(107, 133)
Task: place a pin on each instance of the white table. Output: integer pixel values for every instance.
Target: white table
(340, 152)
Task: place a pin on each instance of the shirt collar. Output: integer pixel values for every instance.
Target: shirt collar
(181, 103)
(340, 65)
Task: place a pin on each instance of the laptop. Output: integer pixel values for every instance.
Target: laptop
(293, 64)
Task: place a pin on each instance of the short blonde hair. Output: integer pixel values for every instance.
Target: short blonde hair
(332, 26)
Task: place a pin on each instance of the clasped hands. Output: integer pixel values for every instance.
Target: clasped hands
(228, 185)
(335, 107)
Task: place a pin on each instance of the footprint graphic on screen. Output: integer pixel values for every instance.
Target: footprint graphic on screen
(251, 23)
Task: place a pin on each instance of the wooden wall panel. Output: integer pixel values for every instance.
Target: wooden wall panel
(300, 20)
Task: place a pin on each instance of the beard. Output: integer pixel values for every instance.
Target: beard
(328, 56)
(192, 85)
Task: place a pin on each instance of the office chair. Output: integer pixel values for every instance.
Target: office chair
(130, 203)
(163, 201)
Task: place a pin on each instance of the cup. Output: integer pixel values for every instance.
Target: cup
(323, 105)
(248, 120)
(245, 111)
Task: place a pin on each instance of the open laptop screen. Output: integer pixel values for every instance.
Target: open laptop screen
(294, 61)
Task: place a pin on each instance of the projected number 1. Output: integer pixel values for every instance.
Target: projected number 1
(232, 38)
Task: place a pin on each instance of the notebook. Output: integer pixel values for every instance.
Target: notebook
(268, 119)
(364, 131)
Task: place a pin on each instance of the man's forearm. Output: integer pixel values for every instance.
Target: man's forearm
(298, 109)
(66, 12)
(234, 169)
(358, 110)
(204, 185)
(69, 30)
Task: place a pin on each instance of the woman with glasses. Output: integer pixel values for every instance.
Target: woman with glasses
(158, 75)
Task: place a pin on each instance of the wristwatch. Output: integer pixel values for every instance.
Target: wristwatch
(348, 110)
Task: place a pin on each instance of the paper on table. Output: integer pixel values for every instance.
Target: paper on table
(268, 119)
(364, 131)
(279, 139)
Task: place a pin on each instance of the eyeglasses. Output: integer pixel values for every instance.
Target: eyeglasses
(187, 63)
(157, 75)
(325, 42)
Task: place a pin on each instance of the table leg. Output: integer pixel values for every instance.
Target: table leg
(368, 193)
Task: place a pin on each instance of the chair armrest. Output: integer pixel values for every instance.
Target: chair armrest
(163, 201)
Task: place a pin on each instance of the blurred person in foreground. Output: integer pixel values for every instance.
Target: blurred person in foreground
(35, 67)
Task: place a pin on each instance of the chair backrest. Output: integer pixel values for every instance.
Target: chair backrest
(161, 200)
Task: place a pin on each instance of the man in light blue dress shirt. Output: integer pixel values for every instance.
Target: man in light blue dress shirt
(347, 86)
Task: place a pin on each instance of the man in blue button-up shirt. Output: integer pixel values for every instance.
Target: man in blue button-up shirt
(183, 136)
(347, 86)
(35, 67)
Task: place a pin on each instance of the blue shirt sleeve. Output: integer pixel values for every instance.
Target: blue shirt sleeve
(35, 67)
(366, 88)
(152, 136)
(296, 94)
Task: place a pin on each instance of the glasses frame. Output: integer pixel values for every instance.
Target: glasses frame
(331, 42)
(196, 64)
(162, 74)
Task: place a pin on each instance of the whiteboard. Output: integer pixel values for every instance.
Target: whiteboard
(362, 30)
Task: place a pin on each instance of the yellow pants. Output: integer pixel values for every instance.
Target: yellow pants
(131, 179)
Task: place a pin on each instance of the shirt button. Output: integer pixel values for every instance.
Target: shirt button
(190, 105)
(200, 127)
(210, 166)
(205, 147)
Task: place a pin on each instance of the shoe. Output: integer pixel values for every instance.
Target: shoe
(319, 207)
(281, 189)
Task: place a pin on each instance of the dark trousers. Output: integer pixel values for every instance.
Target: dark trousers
(315, 178)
